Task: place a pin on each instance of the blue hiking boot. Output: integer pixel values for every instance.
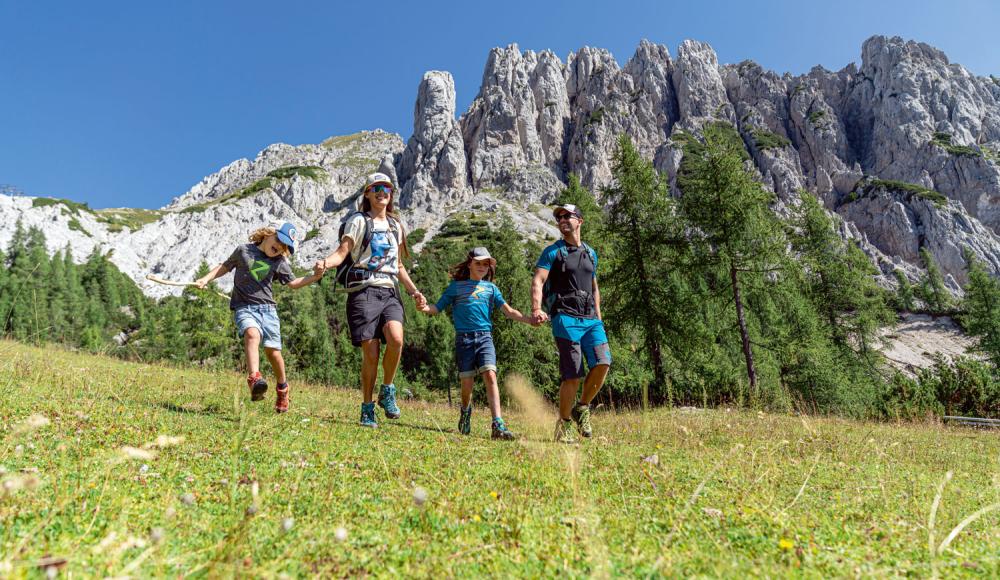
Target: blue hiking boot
(387, 400)
(500, 431)
(465, 420)
(368, 415)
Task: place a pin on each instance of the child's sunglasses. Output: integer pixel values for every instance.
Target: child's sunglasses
(381, 188)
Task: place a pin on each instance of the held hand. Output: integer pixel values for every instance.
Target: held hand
(319, 268)
(426, 309)
(420, 301)
(540, 316)
(201, 283)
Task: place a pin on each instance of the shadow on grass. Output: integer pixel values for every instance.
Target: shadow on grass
(207, 411)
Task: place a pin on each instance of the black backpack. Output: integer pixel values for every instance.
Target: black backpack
(549, 295)
(349, 261)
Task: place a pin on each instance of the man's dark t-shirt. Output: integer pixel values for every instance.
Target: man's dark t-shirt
(253, 272)
(571, 279)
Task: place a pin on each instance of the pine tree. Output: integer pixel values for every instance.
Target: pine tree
(904, 299)
(733, 225)
(981, 307)
(840, 279)
(640, 214)
(932, 289)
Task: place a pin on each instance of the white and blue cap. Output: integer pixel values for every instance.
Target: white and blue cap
(287, 235)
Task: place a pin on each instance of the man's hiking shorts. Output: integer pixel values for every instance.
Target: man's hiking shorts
(369, 310)
(580, 339)
(263, 317)
(475, 353)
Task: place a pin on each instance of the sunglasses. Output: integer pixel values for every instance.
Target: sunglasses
(564, 216)
(381, 188)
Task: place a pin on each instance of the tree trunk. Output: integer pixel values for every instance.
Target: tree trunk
(747, 353)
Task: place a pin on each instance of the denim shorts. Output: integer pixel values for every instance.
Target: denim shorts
(580, 339)
(263, 317)
(475, 353)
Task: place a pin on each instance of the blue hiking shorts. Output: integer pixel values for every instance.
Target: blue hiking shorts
(263, 317)
(475, 353)
(580, 339)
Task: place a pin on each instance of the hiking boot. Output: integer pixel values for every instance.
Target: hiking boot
(500, 431)
(387, 400)
(281, 403)
(465, 420)
(564, 431)
(258, 386)
(581, 414)
(368, 415)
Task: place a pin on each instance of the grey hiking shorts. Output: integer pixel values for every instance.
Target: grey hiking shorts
(369, 310)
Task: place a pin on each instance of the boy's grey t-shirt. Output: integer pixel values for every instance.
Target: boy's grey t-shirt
(253, 272)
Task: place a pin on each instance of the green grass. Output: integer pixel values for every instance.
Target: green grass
(74, 207)
(816, 116)
(131, 218)
(943, 140)
(312, 172)
(311, 234)
(342, 140)
(766, 140)
(596, 116)
(75, 225)
(729, 494)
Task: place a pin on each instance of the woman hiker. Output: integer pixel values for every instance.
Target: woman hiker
(373, 239)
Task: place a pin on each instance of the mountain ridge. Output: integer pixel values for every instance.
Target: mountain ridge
(869, 140)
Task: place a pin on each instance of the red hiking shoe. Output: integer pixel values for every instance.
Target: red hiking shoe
(258, 386)
(281, 403)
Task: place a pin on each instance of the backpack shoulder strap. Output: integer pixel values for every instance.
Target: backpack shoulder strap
(394, 227)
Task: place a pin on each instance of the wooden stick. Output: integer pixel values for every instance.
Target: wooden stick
(166, 282)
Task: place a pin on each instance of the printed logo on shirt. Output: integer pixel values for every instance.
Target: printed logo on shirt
(479, 290)
(259, 270)
(380, 247)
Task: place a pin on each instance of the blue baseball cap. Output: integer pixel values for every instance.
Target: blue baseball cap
(286, 235)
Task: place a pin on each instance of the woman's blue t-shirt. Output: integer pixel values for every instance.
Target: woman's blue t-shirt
(473, 303)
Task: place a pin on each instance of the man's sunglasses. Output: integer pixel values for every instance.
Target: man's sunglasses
(381, 188)
(564, 216)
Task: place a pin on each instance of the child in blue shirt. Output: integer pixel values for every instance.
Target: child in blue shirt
(473, 297)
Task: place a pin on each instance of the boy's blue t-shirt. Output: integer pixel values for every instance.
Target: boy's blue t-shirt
(473, 303)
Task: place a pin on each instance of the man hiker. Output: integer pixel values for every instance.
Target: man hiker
(565, 290)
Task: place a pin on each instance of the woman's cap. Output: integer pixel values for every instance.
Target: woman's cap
(377, 178)
(286, 235)
(567, 207)
(481, 253)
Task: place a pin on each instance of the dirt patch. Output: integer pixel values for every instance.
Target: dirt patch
(918, 337)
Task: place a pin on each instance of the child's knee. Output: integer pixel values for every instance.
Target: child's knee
(251, 334)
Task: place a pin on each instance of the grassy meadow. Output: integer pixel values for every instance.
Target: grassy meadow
(120, 469)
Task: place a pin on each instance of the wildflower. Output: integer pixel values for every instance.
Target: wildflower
(494, 495)
(419, 496)
(476, 518)
(340, 534)
(287, 523)
(785, 544)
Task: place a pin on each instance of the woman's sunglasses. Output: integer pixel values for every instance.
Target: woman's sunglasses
(381, 188)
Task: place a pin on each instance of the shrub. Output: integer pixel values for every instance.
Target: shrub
(73, 206)
(312, 172)
(816, 116)
(943, 140)
(764, 140)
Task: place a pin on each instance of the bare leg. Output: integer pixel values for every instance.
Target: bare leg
(593, 383)
(369, 367)
(492, 392)
(277, 364)
(467, 384)
(567, 397)
(251, 344)
(393, 332)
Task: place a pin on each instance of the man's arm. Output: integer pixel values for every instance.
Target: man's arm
(597, 299)
(541, 275)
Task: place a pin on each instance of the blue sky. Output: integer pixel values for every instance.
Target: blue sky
(131, 103)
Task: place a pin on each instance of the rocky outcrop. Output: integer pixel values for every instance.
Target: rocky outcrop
(904, 116)
(433, 164)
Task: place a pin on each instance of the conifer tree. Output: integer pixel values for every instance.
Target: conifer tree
(981, 307)
(932, 289)
(732, 224)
